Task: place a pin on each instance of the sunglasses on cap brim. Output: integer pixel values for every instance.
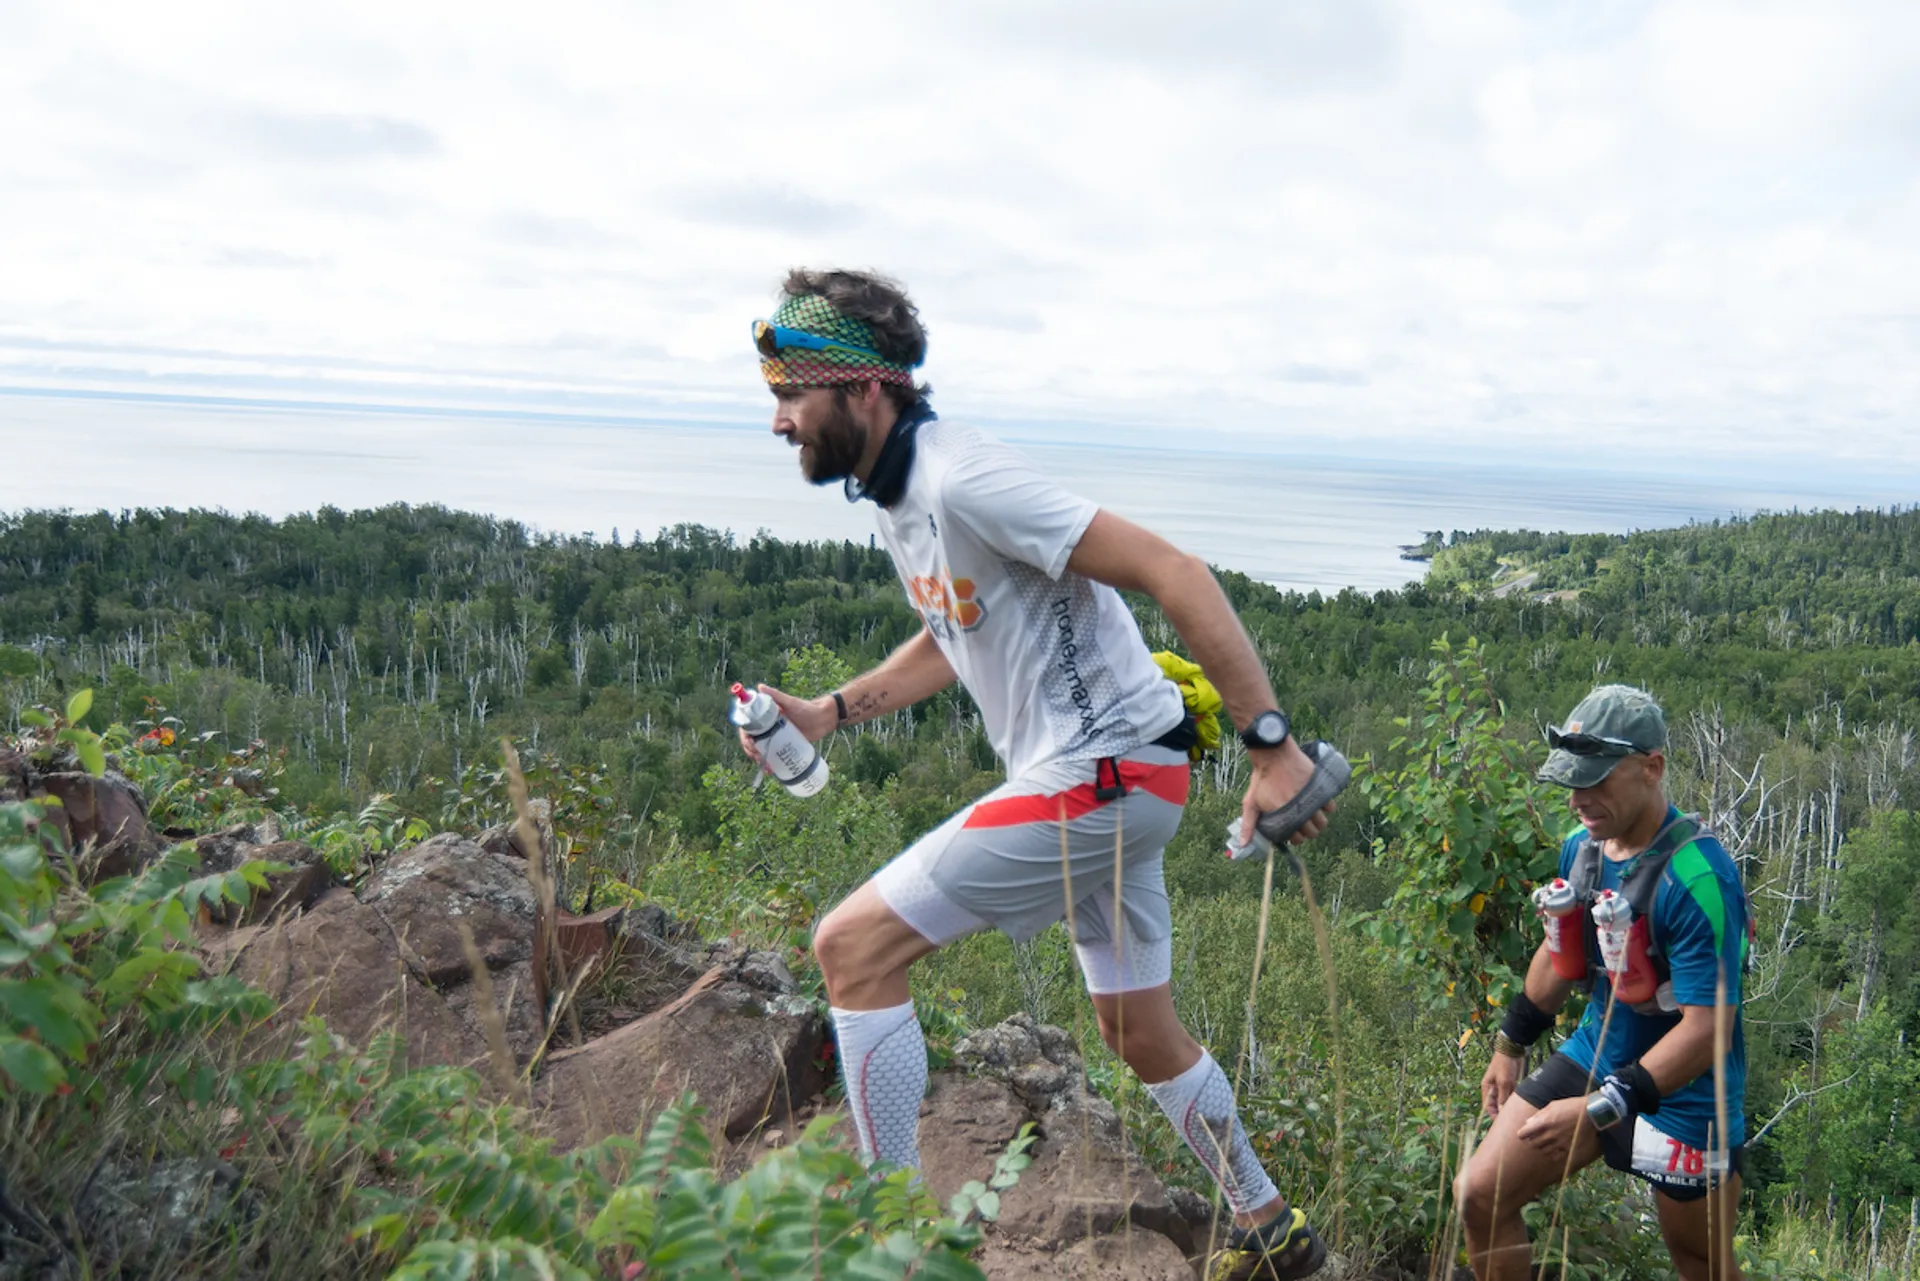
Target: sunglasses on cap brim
(772, 339)
(1590, 744)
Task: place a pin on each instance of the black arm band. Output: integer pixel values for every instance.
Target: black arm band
(840, 703)
(1637, 1083)
(1525, 1021)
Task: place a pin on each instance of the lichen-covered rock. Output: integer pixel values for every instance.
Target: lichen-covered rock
(15, 784)
(505, 840)
(651, 919)
(764, 972)
(999, 1049)
(1197, 1210)
(426, 893)
(131, 1216)
(395, 956)
(1041, 1080)
(228, 848)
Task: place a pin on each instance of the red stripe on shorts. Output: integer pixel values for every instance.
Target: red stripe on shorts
(1168, 782)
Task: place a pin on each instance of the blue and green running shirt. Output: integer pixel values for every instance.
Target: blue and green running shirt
(1700, 922)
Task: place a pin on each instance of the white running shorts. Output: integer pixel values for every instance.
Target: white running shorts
(997, 864)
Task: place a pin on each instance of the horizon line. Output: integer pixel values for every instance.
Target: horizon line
(1216, 441)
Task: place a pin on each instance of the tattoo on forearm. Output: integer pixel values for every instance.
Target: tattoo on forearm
(868, 704)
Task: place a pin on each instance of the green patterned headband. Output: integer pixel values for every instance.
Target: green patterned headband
(809, 344)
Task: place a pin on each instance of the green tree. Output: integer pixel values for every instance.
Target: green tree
(1856, 1134)
(1876, 913)
(814, 671)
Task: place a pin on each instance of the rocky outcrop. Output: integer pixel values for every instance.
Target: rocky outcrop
(1086, 1206)
(1125, 1256)
(1085, 1182)
(102, 822)
(342, 961)
(299, 887)
(426, 894)
(395, 957)
(134, 1216)
(727, 1024)
(739, 1037)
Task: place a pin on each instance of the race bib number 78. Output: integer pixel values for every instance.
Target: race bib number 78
(1663, 1159)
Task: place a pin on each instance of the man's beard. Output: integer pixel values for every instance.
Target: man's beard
(837, 445)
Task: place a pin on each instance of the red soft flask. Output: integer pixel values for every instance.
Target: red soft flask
(1559, 909)
(1641, 982)
(1625, 948)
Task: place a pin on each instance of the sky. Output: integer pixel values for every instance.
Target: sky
(1685, 231)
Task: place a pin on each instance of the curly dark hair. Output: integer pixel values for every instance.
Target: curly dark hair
(880, 301)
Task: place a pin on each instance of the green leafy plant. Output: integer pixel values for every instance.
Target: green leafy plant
(814, 671)
(464, 1187)
(777, 863)
(983, 1199)
(189, 779)
(65, 728)
(590, 822)
(354, 845)
(73, 958)
(1468, 840)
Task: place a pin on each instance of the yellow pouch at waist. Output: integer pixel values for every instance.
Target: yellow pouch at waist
(1202, 700)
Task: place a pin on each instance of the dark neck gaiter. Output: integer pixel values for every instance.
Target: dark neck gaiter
(888, 480)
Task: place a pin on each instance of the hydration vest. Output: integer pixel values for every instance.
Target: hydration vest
(1639, 887)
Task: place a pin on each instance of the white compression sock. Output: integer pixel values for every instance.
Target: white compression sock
(883, 1063)
(1199, 1102)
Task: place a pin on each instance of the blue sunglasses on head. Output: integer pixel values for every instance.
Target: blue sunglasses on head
(771, 339)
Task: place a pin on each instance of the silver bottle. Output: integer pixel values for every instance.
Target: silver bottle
(785, 751)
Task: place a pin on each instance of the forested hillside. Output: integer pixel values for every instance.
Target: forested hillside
(342, 661)
(1818, 579)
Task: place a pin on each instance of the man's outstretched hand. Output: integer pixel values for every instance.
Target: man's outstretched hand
(1280, 774)
(808, 715)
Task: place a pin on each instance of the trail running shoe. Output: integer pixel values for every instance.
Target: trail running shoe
(1281, 1250)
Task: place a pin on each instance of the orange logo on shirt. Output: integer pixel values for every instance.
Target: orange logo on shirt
(967, 611)
(948, 600)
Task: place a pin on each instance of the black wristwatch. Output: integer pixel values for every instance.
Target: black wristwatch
(1268, 729)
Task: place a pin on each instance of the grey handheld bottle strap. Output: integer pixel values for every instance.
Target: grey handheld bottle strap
(1331, 774)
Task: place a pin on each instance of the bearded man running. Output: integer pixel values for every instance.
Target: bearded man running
(1015, 581)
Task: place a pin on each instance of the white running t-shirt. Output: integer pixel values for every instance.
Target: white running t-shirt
(980, 540)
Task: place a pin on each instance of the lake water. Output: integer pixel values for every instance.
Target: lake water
(1321, 522)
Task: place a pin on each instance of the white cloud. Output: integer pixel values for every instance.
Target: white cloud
(1689, 226)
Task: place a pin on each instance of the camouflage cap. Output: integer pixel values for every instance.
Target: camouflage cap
(1611, 724)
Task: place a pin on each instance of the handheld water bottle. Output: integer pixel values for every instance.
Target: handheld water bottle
(785, 751)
